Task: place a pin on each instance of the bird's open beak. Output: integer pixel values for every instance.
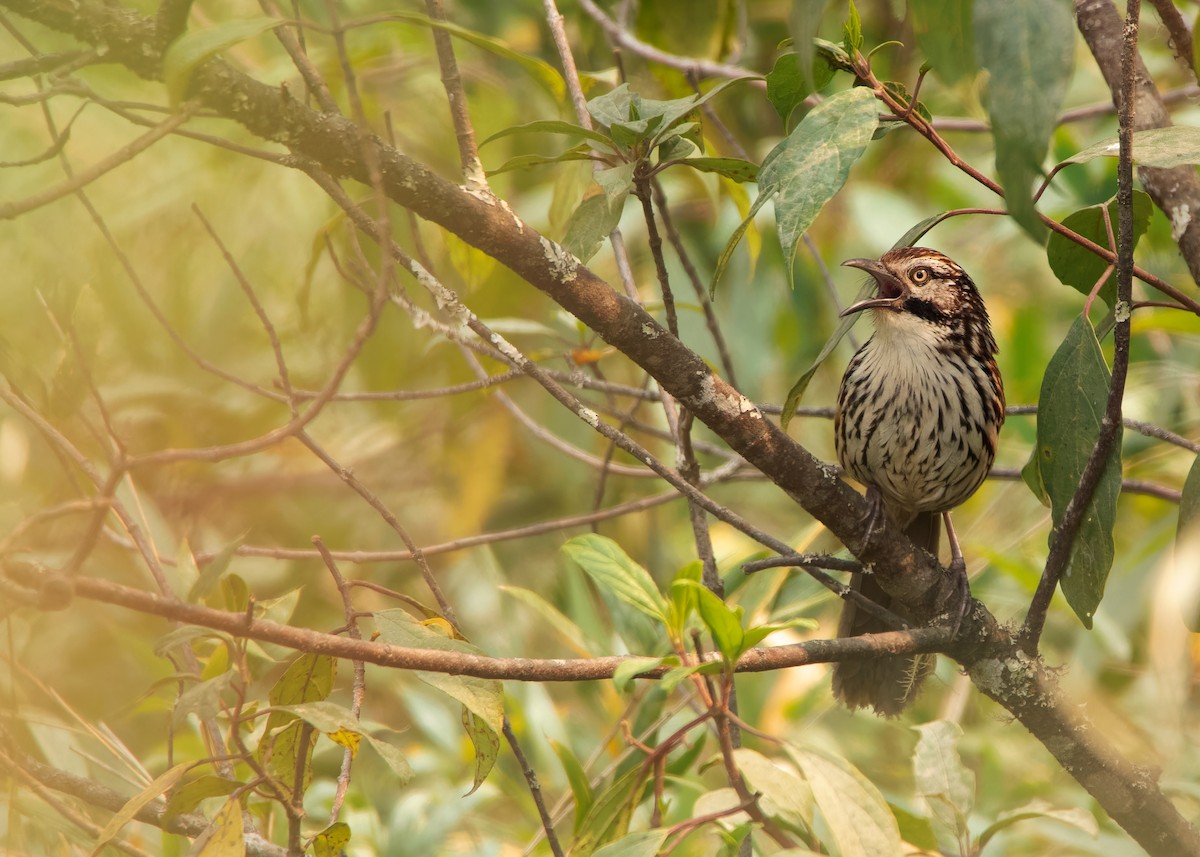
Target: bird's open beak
(889, 287)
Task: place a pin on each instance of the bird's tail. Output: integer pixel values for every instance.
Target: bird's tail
(889, 683)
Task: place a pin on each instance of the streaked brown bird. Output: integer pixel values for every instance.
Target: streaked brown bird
(918, 413)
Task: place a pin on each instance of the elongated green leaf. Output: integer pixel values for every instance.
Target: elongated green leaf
(1021, 44)
(1174, 146)
(581, 787)
(611, 568)
(643, 843)
(481, 698)
(567, 629)
(160, 785)
(540, 70)
(1070, 407)
(855, 812)
(812, 163)
(525, 162)
(796, 393)
(723, 622)
(214, 570)
(226, 837)
(946, 35)
(941, 779)
(1072, 816)
(196, 46)
(1080, 268)
(804, 24)
(734, 168)
(1189, 503)
(609, 815)
(552, 126)
(187, 796)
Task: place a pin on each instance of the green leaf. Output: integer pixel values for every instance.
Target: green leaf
(631, 668)
(552, 126)
(481, 698)
(644, 843)
(1174, 146)
(611, 568)
(633, 120)
(941, 779)
(916, 829)
(227, 834)
(214, 570)
(392, 756)
(582, 152)
(332, 841)
(610, 812)
(804, 24)
(733, 168)
(195, 46)
(796, 393)
(723, 622)
(1080, 268)
(1189, 503)
(568, 629)
(852, 37)
(160, 785)
(785, 795)
(675, 676)
(812, 163)
(787, 87)
(540, 70)
(309, 678)
(946, 36)
(1020, 44)
(857, 816)
(187, 796)
(581, 787)
(487, 746)
(1077, 818)
(1070, 406)
(599, 213)
(683, 598)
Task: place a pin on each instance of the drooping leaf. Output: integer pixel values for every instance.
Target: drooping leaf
(226, 837)
(723, 622)
(582, 152)
(159, 786)
(947, 786)
(856, 814)
(482, 698)
(808, 167)
(187, 52)
(1070, 407)
(946, 36)
(812, 163)
(599, 213)
(1173, 146)
(1020, 44)
(1078, 267)
(613, 569)
(214, 570)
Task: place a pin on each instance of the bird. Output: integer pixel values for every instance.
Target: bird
(918, 414)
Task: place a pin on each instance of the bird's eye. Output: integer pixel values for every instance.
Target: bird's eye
(920, 276)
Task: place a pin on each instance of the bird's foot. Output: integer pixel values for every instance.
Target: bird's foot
(962, 586)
